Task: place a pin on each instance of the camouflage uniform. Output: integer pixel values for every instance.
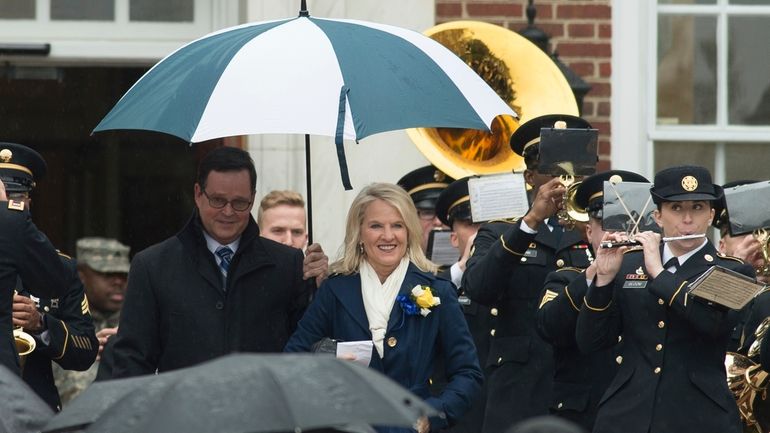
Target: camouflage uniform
(105, 256)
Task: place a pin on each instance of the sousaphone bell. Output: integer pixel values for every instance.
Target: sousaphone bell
(522, 75)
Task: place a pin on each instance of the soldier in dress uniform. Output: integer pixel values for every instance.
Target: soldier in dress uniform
(672, 378)
(24, 251)
(579, 380)
(103, 266)
(424, 185)
(61, 326)
(453, 208)
(507, 267)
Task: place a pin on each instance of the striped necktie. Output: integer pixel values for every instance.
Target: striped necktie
(226, 256)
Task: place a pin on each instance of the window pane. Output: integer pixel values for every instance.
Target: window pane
(747, 161)
(90, 10)
(17, 9)
(166, 10)
(669, 153)
(750, 2)
(749, 81)
(686, 70)
(687, 2)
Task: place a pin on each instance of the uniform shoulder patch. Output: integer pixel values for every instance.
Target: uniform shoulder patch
(634, 249)
(733, 258)
(547, 297)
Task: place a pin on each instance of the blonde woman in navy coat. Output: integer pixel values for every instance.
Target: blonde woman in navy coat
(372, 296)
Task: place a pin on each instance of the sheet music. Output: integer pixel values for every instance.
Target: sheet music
(725, 287)
(440, 249)
(498, 196)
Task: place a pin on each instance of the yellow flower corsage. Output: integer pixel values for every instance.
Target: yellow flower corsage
(424, 299)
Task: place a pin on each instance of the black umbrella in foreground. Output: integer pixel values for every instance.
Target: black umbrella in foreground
(251, 393)
(21, 410)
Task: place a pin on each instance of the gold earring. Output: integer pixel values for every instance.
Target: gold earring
(361, 248)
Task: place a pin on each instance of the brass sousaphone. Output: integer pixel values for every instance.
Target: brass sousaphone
(521, 74)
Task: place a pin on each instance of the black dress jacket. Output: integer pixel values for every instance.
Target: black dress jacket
(507, 269)
(71, 340)
(178, 313)
(579, 379)
(672, 378)
(24, 252)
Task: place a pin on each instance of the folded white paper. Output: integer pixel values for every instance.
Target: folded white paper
(362, 350)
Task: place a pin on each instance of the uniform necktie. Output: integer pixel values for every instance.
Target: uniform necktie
(672, 262)
(226, 255)
(558, 230)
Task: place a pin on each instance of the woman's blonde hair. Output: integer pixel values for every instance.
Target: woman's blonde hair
(395, 196)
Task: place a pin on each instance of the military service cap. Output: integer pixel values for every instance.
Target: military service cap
(424, 186)
(528, 134)
(590, 192)
(722, 218)
(103, 255)
(454, 203)
(20, 167)
(684, 182)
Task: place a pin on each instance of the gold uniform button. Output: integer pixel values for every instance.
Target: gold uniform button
(46, 309)
(661, 324)
(659, 347)
(500, 360)
(560, 263)
(619, 359)
(392, 342)
(493, 311)
(657, 370)
(523, 259)
(560, 405)
(620, 338)
(492, 332)
(661, 301)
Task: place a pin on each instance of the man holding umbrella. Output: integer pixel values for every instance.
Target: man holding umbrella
(216, 287)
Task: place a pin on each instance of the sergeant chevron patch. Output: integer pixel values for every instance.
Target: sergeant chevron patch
(548, 297)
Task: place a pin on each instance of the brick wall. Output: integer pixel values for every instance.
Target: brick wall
(580, 33)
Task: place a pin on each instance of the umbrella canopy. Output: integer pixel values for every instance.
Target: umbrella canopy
(339, 78)
(248, 393)
(21, 410)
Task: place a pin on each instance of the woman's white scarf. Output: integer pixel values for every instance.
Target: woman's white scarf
(379, 298)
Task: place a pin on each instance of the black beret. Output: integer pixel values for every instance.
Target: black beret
(454, 203)
(590, 192)
(20, 167)
(529, 133)
(424, 185)
(684, 182)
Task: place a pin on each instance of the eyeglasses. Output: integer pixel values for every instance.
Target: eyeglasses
(426, 214)
(238, 204)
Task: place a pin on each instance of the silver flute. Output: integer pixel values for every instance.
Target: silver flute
(630, 242)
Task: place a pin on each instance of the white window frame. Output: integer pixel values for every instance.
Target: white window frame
(634, 86)
(120, 40)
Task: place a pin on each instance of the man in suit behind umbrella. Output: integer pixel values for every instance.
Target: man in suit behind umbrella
(216, 287)
(508, 265)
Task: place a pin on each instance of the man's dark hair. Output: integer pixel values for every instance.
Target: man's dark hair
(227, 159)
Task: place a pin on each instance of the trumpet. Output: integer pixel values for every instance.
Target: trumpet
(631, 242)
(570, 213)
(763, 237)
(25, 344)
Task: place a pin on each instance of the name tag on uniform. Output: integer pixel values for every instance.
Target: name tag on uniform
(530, 253)
(635, 284)
(463, 300)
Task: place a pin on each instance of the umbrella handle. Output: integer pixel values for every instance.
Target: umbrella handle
(303, 12)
